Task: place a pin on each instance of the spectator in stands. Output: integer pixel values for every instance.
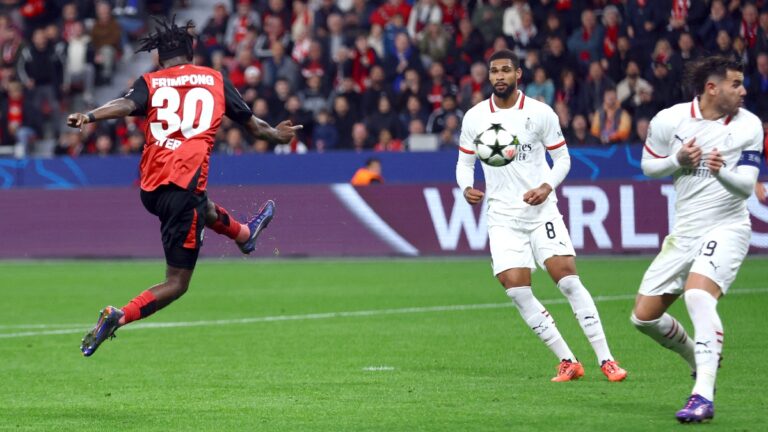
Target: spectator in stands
(368, 174)
(70, 143)
(438, 85)
(423, 13)
(541, 88)
(261, 110)
(135, 143)
(104, 145)
(527, 37)
(11, 43)
(724, 45)
(411, 85)
(414, 110)
(360, 137)
(343, 118)
(645, 19)
(325, 9)
(666, 89)
(476, 81)
(280, 65)
(405, 57)
(317, 63)
(351, 92)
(235, 142)
(79, 74)
(488, 19)
(617, 64)
(433, 43)
(595, 87)
(580, 135)
(553, 28)
(69, 17)
(244, 60)
(106, 37)
(378, 87)
(686, 51)
(295, 112)
(647, 107)
(253, 87)
(586, 41)
(564, 117)
(572, 92)
(360, 62)
(640, 131)
(415, 128)
(39, 69)
(749, 25)
(243, 18)
(384, 118)
(555, 58)
(313, 99)
(612, 29)
(214, 34)
(627, 89)
(611, 123)
(357, 17)
(757, 95)
(469, 44)
(762, 32)
(21, 121)
(336, 42)
(325, 135)
(302, 19)
(438, 119)
(448, 139)
(387, 142)
(273, 32)
(717, 20)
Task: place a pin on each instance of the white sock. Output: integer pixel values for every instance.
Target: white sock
(540, 321)
(708, 329)
(670, 334)
(586, 314)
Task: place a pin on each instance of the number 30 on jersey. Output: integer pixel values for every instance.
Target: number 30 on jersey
(167, 101)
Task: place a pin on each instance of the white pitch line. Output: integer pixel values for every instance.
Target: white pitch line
(78, 328)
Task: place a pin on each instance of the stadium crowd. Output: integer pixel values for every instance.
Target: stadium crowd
(387, 75)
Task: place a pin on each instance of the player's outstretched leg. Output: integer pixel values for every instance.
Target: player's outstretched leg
(708, 327)
(141, 306)
(256, 225)
(589, 319)
(665, 329)
(542, 323)
(220, 221)
(109, 321)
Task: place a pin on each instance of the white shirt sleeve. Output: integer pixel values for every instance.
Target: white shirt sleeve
(551, 135)
(465, 167)
(740, 180)
(561, 164)
(658, 157)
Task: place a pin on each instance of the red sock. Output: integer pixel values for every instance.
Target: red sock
(140, 307)
(225, 224)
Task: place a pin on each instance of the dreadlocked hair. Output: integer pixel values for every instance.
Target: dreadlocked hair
(169, 39)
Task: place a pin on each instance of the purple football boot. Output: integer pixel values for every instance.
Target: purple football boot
(698, 409)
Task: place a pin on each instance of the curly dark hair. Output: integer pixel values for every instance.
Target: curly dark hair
(698, 72)
(169, 39)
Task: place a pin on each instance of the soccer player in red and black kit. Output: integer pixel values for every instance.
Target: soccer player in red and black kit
(183, 105)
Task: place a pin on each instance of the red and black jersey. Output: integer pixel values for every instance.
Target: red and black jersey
(183, 106)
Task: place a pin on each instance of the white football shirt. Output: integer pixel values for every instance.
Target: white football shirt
(537, 128)
(701, 200)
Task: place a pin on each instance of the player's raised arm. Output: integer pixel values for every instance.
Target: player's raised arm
(240, 112)
(113, 109)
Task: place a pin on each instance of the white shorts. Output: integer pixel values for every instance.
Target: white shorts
(513, 247)
(717, 255)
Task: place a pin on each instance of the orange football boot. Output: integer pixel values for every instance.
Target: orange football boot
(613, 371)
(568, 371)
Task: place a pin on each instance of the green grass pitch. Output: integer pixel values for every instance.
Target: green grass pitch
(429, 345)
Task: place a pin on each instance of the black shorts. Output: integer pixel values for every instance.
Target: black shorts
(182, 219)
